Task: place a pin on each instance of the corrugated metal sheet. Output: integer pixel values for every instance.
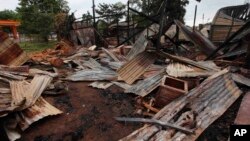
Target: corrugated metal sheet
(10, 52)
(142, 42)
(205, 45)
(227, 21)
(84, 34)
(5, 103)
(36, 112)
(93, 75)
(139, 46)
(209, 101)
(180, 70)
(21, 90)
(133, 69)
(144, 87)
(25, 118)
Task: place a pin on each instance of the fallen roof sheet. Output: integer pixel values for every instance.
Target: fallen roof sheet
(144, 87)
(133, 69)
(206, 46)
(21, 90)
(181, 70)
(139, 46)
(25, 118)
(10, 52)
(93, 75)
(209, 101)
(5, 103)
(36, 112)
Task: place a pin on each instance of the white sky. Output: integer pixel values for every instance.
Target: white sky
(206, 7)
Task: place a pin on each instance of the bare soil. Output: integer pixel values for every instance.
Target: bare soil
(88, 116)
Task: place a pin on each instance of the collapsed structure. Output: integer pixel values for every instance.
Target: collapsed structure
(183, 88)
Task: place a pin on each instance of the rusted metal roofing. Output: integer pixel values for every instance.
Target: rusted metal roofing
(10, 52)
(206, 102)
(144, 87)
(205, 45)
(227, 21)
(25, 118)
(5, 103)
(133, 69)
(36, 112)
(30, 92)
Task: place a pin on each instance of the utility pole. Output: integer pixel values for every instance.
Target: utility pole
(128, 18)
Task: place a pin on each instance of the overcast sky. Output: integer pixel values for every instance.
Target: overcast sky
(206, 7)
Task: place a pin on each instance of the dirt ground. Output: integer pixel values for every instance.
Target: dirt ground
(88, 116)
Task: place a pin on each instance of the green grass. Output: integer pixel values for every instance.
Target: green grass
(36, 46)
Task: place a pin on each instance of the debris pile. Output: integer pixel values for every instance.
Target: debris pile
(183, 88)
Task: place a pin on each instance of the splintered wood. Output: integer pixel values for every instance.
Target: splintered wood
(133, 69)
(206, 103)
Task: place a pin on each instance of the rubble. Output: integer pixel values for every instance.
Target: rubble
(174, 85)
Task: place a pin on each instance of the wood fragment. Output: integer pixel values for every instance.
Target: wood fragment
(157, 122)
(186, 61)
(101, 85)
(111, 55)
(11, 76)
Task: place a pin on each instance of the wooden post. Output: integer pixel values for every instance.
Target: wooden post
(117, 31)
(14, 31)
(247, 41)
(128, 18)
(195, 17)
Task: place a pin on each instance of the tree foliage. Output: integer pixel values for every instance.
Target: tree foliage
(116, 10)
(37, 16)
(9, 15)
(175, 8)
(87, 18)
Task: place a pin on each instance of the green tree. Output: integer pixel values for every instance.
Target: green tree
(87, 18)
(37, 16)
(175, 8)
(107, 10)
(9, 15)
